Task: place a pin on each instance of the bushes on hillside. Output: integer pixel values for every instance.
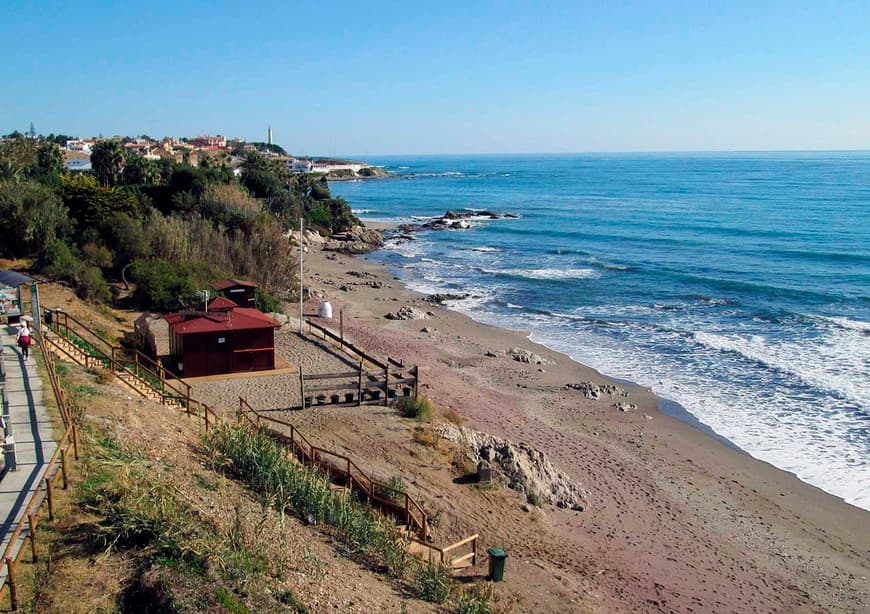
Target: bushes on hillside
(162, 285)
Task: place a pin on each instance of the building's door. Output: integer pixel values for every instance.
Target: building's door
(219, 356)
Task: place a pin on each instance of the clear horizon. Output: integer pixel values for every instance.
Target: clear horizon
(459, 80)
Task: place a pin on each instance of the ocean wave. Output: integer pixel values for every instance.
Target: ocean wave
(846, 323)
(544, 274)
(486, 249)
(834, 366)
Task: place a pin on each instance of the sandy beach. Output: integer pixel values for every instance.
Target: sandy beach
(676, 521)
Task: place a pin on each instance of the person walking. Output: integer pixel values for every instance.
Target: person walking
(24, 340)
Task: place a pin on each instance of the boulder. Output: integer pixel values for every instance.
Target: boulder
(408, 313)
(357, 240)
(523, 355)
(594, 391)
(522, 467)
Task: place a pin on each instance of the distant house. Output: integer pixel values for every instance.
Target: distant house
(209, 142)
(77, 161)
(225, 339)
(241, 292)
(295, 165)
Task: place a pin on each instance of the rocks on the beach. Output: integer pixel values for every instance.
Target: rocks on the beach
(357, 240)
(309, 237)
(428, 330)
(625, 406)
(491, 354)
(523, 355)
(441, 298)
(451, 220)
(408, 313)
(524, 468)
(347, 288)
(594, 391)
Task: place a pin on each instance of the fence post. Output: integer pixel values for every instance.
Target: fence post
(49, 494)
(341, 328)
(416, 380)
(387, 384)
(474, 556)
(75, 439)
(34, 548)
(13, 593)
(407, 512)
(359, 386)
(239, 417)
(301, 388)
(63, 467)
(349, 483)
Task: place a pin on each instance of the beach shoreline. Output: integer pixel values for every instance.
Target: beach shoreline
(678, 520)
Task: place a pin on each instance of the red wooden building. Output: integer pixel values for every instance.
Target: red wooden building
(225, 339)
(241, 292)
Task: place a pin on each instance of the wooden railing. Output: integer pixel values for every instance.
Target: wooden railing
(171, 389)
(392, 501)
(25, 531)
(444, 555)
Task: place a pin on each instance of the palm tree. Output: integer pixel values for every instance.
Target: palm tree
(108, 159)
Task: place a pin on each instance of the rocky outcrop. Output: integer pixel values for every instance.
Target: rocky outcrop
(522, 467)
(523, 355)
(409, 313)
(594, 392)
(357, 240)
(451, 220)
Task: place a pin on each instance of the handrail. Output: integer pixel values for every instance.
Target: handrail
(43, 493)
(415, 514)
(344, 344)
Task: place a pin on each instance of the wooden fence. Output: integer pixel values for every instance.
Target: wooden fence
(25, 531)
(340, 468)
(136, 370)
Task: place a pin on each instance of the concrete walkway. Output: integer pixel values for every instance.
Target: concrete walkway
(32, 428)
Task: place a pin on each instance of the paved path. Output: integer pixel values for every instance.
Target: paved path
(32, 428)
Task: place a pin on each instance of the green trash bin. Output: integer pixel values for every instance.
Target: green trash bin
(497, 558)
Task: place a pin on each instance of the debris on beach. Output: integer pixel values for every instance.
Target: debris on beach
(625, 406)
(408, 313)
(523, 468)
(594, 391)
(523, 355)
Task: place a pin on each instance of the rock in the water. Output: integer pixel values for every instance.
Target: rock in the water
(408, 313)
(523, 355)
(523, 467)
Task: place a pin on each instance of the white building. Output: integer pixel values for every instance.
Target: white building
(297, 165)
(79, 145)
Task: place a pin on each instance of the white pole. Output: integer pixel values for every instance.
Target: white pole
(301, 227)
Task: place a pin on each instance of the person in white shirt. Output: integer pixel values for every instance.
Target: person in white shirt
(23, 339)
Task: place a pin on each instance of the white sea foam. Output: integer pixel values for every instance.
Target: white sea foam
(547, 273)
(836, 364)
(842, 322)
(486, 249)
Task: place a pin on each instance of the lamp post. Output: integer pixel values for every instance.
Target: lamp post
(301, 227)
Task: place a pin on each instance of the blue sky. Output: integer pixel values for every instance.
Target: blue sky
(449, 77)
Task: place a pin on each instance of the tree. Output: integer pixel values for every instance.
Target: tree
(108, 159)
(50, 159)
(32, 217)
(140, 170)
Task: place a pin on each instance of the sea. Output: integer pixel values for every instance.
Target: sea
(735, 285)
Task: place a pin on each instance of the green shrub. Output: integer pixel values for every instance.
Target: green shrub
(533, 499)
(162, 285)
(432, 582)
(477, 599)
(263, 464)
(266, 302)
(92, 285)
(421, 408)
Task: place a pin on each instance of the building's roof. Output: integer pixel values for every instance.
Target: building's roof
(13, 279)
(229, 283)
(222, 303)
(240, 318)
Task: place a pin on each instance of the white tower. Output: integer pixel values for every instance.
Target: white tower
(270, 135)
